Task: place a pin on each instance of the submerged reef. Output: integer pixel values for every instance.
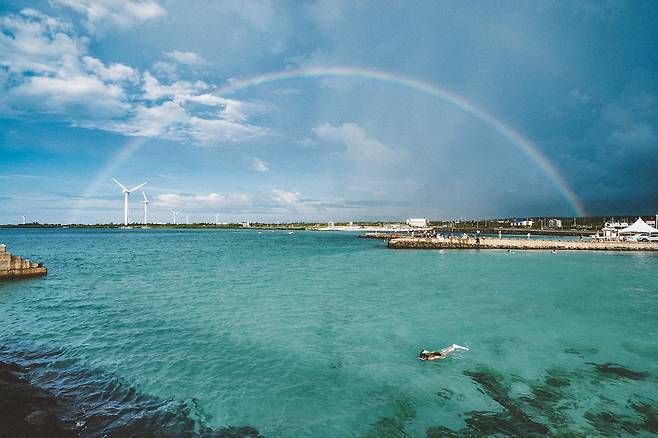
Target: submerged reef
(545, 410)
(550, 406)
(27, 411)
(44, 394)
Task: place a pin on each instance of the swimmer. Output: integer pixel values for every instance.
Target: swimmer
(434, 355)
(511, 252)
(554, 251)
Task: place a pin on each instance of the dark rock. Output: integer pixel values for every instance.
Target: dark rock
(617, 370)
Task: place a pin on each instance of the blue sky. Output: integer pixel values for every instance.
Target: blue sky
(144, 90)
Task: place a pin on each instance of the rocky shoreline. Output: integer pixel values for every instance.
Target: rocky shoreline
(28, 411)
(41, 396)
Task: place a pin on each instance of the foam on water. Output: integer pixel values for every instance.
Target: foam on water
(316, 334)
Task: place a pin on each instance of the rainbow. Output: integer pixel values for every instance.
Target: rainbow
(105, 174)
(234, 85)
(514, 137)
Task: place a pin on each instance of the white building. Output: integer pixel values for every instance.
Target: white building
(612, 228)
(525, 223)
(555, 223)
(418, 222)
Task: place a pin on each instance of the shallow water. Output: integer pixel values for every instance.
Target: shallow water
(316, 334)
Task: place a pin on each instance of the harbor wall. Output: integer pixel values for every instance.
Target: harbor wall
(517, 244)
(13, 266)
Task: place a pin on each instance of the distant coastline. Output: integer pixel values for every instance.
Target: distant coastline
(572, 226)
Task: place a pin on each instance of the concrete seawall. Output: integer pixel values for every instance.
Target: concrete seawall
(518, 244)
(12, 266)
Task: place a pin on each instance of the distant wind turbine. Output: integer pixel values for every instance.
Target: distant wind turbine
(146, 204)
(175, 213)
(126, 193)
(217, 219)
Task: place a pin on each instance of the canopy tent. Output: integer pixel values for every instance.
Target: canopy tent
(638, 227)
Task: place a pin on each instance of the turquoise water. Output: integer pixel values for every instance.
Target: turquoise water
(316, 334)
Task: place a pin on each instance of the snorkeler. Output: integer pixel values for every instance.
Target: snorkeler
(434, 355)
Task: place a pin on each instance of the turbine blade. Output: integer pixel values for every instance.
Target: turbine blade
(145, 199)
(121, 185)
(135, 188)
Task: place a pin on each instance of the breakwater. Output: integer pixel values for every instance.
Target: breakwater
(517, 244)
(13, 266)
(384, 236)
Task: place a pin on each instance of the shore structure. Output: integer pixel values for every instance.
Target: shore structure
(12, 266)
(517, 244)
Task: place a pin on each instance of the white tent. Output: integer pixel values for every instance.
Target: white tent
(638, 227)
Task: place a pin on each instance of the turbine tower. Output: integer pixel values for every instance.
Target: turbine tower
(146, 204)
(175, 213)
(217, 219)
(126, 193)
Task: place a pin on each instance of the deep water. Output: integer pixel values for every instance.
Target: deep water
(240, 333)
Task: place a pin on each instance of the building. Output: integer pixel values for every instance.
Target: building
(555, 223)
(418, 222)
(612, 228)
(525, 223)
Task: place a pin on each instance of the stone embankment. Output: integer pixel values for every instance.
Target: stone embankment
(518, 244)
(12, 266)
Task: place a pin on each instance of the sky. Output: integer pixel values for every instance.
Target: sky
(337, 110)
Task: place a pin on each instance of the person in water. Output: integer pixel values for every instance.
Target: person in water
(434, 355)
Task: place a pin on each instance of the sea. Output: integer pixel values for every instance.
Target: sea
(153, 332)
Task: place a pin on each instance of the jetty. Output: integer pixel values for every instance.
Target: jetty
(12, 266)
(518, 244)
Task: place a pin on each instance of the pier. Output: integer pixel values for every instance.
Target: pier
(517, 244)
(12, 266)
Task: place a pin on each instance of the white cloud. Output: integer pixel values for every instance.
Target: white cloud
(637, 134)
(114, 13)
(219, 130)
(188, 58)
(260, 165)
(45, 68)
(288, 199)
(33, 42)
(214, 200)
(114, 73)
(165, 70)
(170, 120)
(276, 201)
(358, 144)
(179, 90)
(152, 121)
(77, 95)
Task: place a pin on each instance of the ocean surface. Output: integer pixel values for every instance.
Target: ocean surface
(316, 334)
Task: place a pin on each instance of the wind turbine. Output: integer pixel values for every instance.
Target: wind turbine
(146, 204)
(217, 219)
(126, 193)
(175, 213)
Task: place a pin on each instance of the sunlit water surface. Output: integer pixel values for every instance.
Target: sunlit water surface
(316, 334)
